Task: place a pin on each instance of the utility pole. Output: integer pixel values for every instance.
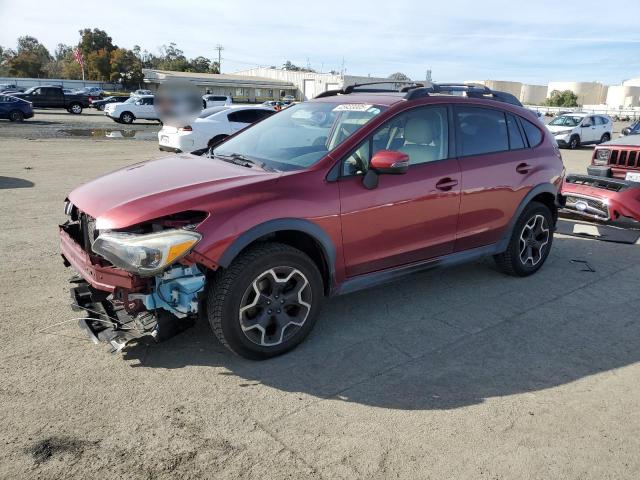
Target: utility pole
(219, 48)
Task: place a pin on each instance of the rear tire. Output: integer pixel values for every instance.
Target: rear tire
(126, 117)
(530, 242)
(266, 302)
(605, 138)
(75, 108)
(101, 108)
(16, 116)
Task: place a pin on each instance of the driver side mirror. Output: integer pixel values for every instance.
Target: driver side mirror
(385, 162)
(586, 124)
(139, 102)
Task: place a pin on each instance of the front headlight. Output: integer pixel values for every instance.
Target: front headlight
(145, 254)
(602, 157)
(562, 132)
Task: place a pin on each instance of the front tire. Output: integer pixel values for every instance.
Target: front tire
(574, 143)
(530, 242)
(266, 302)
(126, 117)
(16, 116)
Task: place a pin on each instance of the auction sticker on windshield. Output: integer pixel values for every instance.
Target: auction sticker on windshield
(352, 107)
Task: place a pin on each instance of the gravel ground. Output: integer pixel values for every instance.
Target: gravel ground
(460, 373)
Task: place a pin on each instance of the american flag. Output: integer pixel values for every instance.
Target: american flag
(78, 55)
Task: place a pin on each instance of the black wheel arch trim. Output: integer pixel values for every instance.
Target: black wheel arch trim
(278, 225)
(534, 192)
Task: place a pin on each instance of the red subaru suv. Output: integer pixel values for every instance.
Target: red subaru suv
(352, 189)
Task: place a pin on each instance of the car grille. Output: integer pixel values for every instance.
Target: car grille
(595, 208)
(625, 158)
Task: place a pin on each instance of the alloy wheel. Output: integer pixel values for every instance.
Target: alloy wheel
(275, 306)
(75, 108)
(534, 239)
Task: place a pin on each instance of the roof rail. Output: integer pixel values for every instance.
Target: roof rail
(413, 90)
(473, 90)
(357, 87)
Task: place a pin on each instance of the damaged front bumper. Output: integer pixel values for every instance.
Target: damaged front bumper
(600, 198)
(120, 307)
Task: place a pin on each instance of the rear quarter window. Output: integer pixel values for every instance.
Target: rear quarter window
(533, 133)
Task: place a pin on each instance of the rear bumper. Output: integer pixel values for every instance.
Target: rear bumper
(99, 277)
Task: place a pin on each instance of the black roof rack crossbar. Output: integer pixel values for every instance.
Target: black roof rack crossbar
(357, 87)
(472, 90)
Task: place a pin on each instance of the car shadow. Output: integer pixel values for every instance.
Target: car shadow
(450, 338)
(14, 182)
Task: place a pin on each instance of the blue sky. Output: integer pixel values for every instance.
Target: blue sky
(534, 42)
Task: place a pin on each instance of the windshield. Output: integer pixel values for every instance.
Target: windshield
(132, 100)
(29, 90)
(299, 136)
(566, 121)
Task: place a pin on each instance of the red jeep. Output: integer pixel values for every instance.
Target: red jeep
(352, 189)
(611, 189)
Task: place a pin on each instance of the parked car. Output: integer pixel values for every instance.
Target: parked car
(100, 104)
(574, 129)
(211, 127)
(288, 99)
(140, 92)
(93, 92)
(611, 189)
(209, 101)
(134, 108)
(8, 88)
(54, 97)
(633, 129)
(326, 197)
(14, 109)
(276, 105)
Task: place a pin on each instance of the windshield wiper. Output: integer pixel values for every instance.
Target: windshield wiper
(239, 159)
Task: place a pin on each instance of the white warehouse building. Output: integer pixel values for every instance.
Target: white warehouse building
(309, 84)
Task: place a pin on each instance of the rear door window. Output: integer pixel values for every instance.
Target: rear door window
(481, 130)
(242, 116)
(515, 138)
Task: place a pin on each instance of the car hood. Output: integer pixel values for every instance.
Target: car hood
(157, 188)
(558, 128)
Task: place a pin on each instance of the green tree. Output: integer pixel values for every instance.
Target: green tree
(172, 58)
(399, 76)
(562, 99)
(6, 54)
(126, 68)
(200, 65)
(61, 54)
(30, 59)
(295, 68)
(96, 47)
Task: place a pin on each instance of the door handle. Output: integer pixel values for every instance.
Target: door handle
(446, 184)
(523, 168)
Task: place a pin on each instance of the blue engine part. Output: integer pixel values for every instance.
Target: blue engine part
(176, 291)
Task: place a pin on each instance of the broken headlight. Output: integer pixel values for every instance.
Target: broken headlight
(145, 254)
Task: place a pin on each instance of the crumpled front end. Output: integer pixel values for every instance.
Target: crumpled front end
(155, 302)
(601, 199)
